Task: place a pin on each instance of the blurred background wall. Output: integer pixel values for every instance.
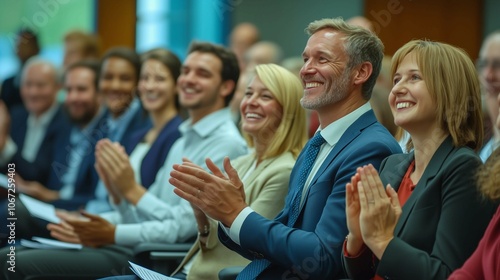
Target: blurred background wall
(144, 24)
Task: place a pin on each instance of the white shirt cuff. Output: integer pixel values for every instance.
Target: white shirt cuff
(9, 150)
(234, 231)
(128, 234)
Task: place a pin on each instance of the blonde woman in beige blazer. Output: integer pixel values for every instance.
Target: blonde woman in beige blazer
(274, 125)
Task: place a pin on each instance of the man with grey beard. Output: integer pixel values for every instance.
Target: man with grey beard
(341, 64)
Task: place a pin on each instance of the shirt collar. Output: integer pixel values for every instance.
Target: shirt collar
(336, 129)
(125, 117)
(207, 124)
(45, 119)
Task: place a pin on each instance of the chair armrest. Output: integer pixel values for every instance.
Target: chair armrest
(230, 273)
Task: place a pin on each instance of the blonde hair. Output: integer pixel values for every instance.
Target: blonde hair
(488, 176)
(360, 45)
(452, 82)
(291, 133)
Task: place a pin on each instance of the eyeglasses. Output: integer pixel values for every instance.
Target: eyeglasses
(482, 64)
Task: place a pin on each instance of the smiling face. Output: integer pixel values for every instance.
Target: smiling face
(39, 88)
(200, 85)
(81, 95)
(323, 75)
(156, 86)
(261, 113)
(411, 103)
(117, 84)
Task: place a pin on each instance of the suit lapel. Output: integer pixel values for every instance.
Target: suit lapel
(349, 135)
(248, 164)
(430, 172)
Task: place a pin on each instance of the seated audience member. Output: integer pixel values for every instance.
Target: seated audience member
(262, 52)
(78, 46)
(206, 84)
(26, 47)
(485, 262)
(149, 147)
(120, 69)
(488, 67)
(380, 94)
(362, 22)
(34, 127)
(430, 214)
(273, 94)
(312, 225)
(382, 86)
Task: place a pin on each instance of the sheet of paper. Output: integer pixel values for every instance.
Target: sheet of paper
(147, 274)
(44, 243)
(40, 209)
(34, 245)
(56, 243)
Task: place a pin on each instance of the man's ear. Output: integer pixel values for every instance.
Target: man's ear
(363, 73)
(227, 87)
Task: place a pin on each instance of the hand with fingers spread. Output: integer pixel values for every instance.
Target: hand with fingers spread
(113, 166)
(380, 210)
(221, 198)
(353, 209)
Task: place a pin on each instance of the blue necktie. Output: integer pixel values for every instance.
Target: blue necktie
(312, 148)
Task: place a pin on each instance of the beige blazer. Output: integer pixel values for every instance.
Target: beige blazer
(265, 189)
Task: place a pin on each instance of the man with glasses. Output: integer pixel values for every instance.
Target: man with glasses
(488, 66)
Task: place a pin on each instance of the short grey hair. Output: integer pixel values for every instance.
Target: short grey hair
(361, 46)
(37, 60)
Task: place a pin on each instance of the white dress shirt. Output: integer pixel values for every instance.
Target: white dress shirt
(332, 134)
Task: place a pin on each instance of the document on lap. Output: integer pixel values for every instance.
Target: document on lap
(40, 209)
(146, 274)
(44, 243)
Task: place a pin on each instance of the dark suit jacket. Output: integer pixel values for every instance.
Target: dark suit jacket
(87, 177)
(38, 170)
(442, 221)
(140, 121)
(311, 249)
(155, 157)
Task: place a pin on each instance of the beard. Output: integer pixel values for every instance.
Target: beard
(337, 91)
(82, 119)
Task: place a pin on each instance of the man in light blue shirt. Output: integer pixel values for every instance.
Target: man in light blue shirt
(72, 179)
